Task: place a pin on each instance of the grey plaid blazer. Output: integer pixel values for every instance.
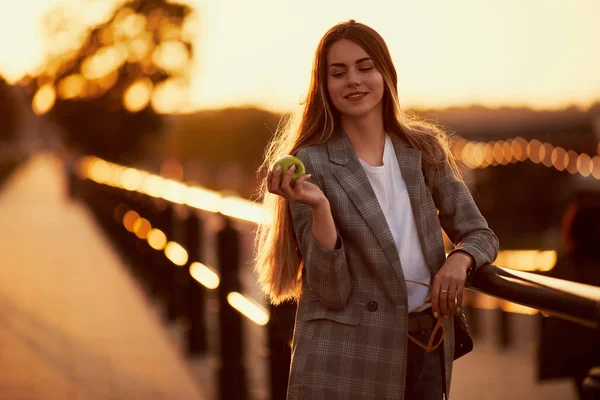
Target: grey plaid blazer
(350, 336)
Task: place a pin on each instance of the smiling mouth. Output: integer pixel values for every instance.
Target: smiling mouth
(355, 96)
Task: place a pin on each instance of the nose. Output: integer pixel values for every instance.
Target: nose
(353, 78)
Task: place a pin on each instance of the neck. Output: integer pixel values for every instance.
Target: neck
(367, 136)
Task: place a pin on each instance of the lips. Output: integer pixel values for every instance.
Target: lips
(354, 96)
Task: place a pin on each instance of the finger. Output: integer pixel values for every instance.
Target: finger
(276, 180)
(286, 186)
(428, 299)
(444, 302)
(302, 179)
(435, 297)
(459, 296)
(452, 302)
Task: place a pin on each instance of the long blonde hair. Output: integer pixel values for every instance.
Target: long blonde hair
(278, 262)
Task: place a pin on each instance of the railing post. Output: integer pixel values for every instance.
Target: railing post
(194, 301)
(281, 330)
(231, 373)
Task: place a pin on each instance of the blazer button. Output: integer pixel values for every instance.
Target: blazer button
(372, 306)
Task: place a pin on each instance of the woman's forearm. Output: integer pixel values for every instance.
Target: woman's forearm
(323, 226)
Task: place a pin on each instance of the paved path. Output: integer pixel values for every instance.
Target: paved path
(73, 323)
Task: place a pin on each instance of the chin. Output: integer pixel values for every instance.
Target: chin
(357, 112)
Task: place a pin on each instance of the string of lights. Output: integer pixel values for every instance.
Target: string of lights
(503, 152)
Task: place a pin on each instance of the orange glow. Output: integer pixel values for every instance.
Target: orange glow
(176, 253)
(169, 31)
(571, 161)
(129, 220)
(507, 150)
(140, 47)
(533, 151)
(499, 152)
(205, 275)
(153, 186)
(71, 86)
(83, 166)
(249, 308)
(137, 96)
(130, 26)
(478, 156)
(105, 61)
(174, 191)
(596, 167)
(170, 96)
(99, 170)
(458, 147)
(141, 228)
(526, 260)
(244, 209)
(108, 81)
(558, 158)
(172, 56)
(488, 153)
(584, 165)
(131, 179)
(44, 99)
(467, 154)
(546, 154)
(520, 148)
(203, 199)
(507, 306)
(157, 239)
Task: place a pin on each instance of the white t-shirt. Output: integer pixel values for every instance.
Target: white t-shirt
(390, 189)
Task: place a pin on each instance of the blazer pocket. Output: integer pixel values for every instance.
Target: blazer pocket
(349, 315)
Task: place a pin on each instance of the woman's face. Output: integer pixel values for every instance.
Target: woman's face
(354, 85)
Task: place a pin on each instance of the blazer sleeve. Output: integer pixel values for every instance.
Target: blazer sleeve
(326, 270)
(461, 219)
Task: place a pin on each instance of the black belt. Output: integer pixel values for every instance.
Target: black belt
(421, 321)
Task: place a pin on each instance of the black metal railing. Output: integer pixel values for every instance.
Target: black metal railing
(568, 300)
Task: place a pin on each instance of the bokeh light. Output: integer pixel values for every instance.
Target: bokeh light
(44, 99)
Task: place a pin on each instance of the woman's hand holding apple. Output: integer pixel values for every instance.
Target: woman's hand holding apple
(281, 181)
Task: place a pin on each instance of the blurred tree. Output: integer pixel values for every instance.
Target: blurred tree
(8, 112)
(107, 85)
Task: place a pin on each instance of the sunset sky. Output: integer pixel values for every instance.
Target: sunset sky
(540, 53)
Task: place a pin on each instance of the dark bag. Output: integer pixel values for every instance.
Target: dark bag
(463, 343)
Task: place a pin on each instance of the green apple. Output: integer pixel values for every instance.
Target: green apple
(286, 162)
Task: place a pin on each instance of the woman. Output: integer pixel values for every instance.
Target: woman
(350, 238)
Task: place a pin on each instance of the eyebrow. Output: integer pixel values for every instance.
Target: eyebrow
(357, 62)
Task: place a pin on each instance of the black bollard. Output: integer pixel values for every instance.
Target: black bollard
(231, 373)
(504, 339)
(194, 299)
(281, 330)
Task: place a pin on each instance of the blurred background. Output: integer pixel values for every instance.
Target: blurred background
(131, 134)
